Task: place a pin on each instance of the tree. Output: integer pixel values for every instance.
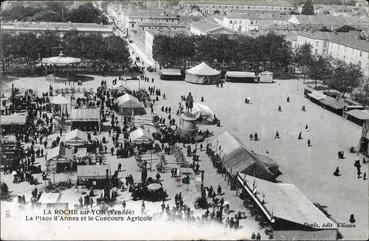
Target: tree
(117, 51)
(303, 58)
(345, 77)
(308, 8)
(345, 28)
(320, 69)
(86, 13)
(362, 93)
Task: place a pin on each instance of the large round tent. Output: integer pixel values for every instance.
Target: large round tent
(202, 74)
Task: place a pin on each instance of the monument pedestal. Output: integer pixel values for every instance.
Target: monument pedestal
(187, 127)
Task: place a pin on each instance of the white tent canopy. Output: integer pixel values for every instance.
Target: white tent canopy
(141, 136)
(129, 101)
(76, 137)
(59, 100)
(62, 102)
(203, 111)
(202, 69)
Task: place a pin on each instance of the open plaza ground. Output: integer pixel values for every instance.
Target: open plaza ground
(309, 168)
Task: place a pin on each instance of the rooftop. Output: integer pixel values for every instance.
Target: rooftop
(260, 16)
(61, 26)
(287, 202)
(347, 39)
(240, 2)
(331, 20)
(167, 32)
(205, 25)
(149, 14)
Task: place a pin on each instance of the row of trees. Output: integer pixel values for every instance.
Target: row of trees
(55, 12)
(335, 74)
(27, 48)
(269, 52)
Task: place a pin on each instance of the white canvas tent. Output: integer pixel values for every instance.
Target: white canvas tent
(62, 103)
(202, 112)
(129, 104)
(202, 74)
(76, 137)
(141, 136)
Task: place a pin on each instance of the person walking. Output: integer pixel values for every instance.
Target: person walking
(300, 136)
(309, 143)
(276, 135)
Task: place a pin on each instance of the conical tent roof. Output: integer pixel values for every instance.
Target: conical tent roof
(60, 60)
(60, 100)
(76, 135)
(202, 69)
(129, 101)
(141, 135)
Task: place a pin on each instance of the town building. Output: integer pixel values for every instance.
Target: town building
(255, 21)
(221, 6)
(58, 27)
(317, 22)
(132, 20)
(209, 26)
(345, 47)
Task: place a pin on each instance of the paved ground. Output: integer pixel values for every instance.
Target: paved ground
(309, 168)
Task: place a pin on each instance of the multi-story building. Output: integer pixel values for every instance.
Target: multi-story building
(209, 26)
(317, 22)
(254, 21)
(58, 27)
(132, 20)
(346, 47)
(221, 6)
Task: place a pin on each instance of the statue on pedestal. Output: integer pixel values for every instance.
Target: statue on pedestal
(189, 103)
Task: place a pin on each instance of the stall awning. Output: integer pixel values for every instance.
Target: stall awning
(171, 72)
(141, 135)
(76, 136)
(284, 201)
(85, 114)
(49, 198)
(92, 171)
(333, 103)
(59, 100)
(13, 119)
(317, 95)
(240, 74)
(359, 114)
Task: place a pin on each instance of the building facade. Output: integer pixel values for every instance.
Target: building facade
(344, 47)
(255, 21)
(217, 6)
(132, 20)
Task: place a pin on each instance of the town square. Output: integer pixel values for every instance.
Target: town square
(165, 128)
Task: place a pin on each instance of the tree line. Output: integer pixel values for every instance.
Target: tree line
(54, 12)
(266, 52)
(29, 48)
(338, 75)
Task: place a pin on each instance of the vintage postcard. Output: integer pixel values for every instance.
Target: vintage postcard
(184, 120)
